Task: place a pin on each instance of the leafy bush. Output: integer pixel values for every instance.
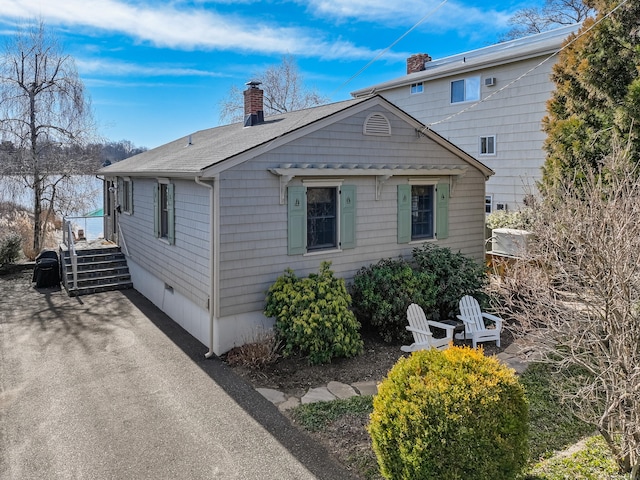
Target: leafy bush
(382, 292)
(313, 317)
(454, 414)
(10, 246)
(520, 219)
(455, 276)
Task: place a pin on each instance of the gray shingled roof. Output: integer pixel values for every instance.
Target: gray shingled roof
(212, 146)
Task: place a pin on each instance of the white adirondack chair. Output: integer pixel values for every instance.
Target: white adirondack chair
(475, 326)
(422, 336)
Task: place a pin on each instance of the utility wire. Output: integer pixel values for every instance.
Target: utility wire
(382, 52)
(428, 126)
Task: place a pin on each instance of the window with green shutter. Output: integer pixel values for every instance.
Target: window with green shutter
(423, 211)
(321, 217)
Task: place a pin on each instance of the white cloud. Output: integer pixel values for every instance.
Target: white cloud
(445, 15)
(186, 29)
(111, 68)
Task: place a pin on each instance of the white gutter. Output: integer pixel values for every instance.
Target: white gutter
(214, 259)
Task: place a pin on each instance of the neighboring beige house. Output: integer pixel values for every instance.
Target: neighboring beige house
(490, 103)
(209, 222)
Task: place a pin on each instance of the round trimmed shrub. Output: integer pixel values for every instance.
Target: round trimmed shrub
(452, 414)
(313, 317)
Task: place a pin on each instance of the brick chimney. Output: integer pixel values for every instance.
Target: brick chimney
(416, 63)
(253, 104)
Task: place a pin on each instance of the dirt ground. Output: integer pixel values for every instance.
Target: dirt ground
(294, 375)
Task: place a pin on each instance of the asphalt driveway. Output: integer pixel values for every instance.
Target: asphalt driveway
(106, 386)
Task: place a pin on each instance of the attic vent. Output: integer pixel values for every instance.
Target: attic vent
(377, 124)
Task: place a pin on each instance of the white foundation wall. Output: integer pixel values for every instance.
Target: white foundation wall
(236, 330)
(187, 314)
(228, 332)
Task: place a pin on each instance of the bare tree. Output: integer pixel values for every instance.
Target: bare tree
(575, 294)
(553, 14)
(284, 91)
(45, 114)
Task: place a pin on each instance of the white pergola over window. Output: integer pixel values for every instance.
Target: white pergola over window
(382, 173)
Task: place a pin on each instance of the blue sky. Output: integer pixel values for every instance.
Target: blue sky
(157, 70)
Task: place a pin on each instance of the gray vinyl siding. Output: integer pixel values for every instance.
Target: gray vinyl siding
(253, 223)
(514, 115)
(185, 265)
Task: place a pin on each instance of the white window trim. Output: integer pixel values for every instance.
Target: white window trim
(490, 198)
(326, 183)
(465, 79)
(495, 146)
(418, 85)
(126, 194)
(164, 181)
(425, 182)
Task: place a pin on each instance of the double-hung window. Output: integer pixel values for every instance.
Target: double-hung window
(321, 217)
(125, 194)
(163, 201)
(488, 204)
(423, 211)
(465, 90)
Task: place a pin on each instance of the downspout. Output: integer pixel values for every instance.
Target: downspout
(214, 260)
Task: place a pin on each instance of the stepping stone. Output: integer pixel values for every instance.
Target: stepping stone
(320, 394)
(274, 396)
(291, 402)
(505, 357)
(518, 365)
(514, 349)
(366, 388)
(341, 390)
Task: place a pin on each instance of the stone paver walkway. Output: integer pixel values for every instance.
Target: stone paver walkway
(517, 355)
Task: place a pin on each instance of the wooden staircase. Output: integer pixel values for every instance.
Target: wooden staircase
(99, 270)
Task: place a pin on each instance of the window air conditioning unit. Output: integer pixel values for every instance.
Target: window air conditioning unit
(509, 241)
(489, 81)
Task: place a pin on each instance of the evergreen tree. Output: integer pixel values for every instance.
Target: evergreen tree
(597, 96)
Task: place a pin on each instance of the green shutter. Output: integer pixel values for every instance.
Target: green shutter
(156, 210)
(171, 224)
(348, 216)
(297, 221)
(442, 211)
(404, 213)
(130, 195)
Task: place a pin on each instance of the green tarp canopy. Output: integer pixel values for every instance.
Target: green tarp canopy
(96, 213)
